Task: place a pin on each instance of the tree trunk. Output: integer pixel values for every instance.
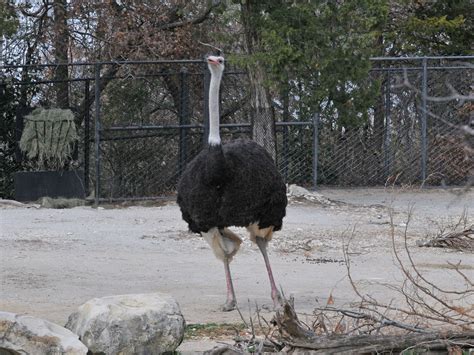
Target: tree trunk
(262, 115)
(61, 44)
(379, 108)
(379, 116)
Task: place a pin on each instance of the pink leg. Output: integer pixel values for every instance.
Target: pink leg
(276, 297)
(231, 302)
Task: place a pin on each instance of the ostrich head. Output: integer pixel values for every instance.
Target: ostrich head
(215, 63)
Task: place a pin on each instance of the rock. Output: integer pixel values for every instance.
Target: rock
(60, 203)
(296, 192)
(129, 324)
(13, 203)
(29, 335)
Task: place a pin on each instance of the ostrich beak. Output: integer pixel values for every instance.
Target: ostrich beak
(210, 61)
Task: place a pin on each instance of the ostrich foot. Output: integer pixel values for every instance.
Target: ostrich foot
(277, 300)
(230, 305)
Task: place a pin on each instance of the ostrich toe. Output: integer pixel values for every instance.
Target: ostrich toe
(230, 305)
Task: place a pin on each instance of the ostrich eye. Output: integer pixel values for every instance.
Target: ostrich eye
(220, 61)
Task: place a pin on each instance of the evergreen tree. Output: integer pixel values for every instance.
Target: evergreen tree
(8, 19)
(428, 28)
(8, 163)
(319, 53)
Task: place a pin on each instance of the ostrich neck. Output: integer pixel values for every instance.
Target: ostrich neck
(214, 136)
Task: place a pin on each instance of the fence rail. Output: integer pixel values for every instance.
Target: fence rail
(142, 121)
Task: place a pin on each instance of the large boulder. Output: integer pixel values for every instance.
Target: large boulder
(129, 324)
(20, 334)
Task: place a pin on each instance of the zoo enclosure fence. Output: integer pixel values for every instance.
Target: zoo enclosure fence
(142, 121)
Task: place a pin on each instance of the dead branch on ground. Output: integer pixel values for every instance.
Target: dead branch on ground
(463, 240)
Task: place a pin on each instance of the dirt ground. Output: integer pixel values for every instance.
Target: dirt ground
(53, 260)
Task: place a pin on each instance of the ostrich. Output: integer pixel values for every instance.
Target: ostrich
(235, 184)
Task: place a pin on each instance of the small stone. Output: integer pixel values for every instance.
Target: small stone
(129, 324)
(20, 334)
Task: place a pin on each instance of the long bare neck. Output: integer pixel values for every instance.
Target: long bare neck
(214, 136)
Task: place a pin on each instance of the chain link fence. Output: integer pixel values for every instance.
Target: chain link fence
(413, 136)
(142, 122)
(148, 129)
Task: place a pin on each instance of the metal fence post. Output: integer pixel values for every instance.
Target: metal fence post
(207, 83)
(183, 119)
(87, 137)
(315, 148)
(97, 133)
(286, 136)
(388, 129)
(424, 144)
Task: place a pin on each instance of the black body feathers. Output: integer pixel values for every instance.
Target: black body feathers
(235, 184)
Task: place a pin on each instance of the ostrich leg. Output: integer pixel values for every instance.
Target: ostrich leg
(231, 302)
(262, 245)
(230, 244)
(225, 245)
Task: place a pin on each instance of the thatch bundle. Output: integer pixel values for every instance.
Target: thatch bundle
(48, 136)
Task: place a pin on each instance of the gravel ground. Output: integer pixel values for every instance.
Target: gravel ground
(53, 260)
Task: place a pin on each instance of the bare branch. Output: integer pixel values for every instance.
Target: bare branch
(417, 284)
(194, 21)
(383, 320)
(455, 95)
(456, 268)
